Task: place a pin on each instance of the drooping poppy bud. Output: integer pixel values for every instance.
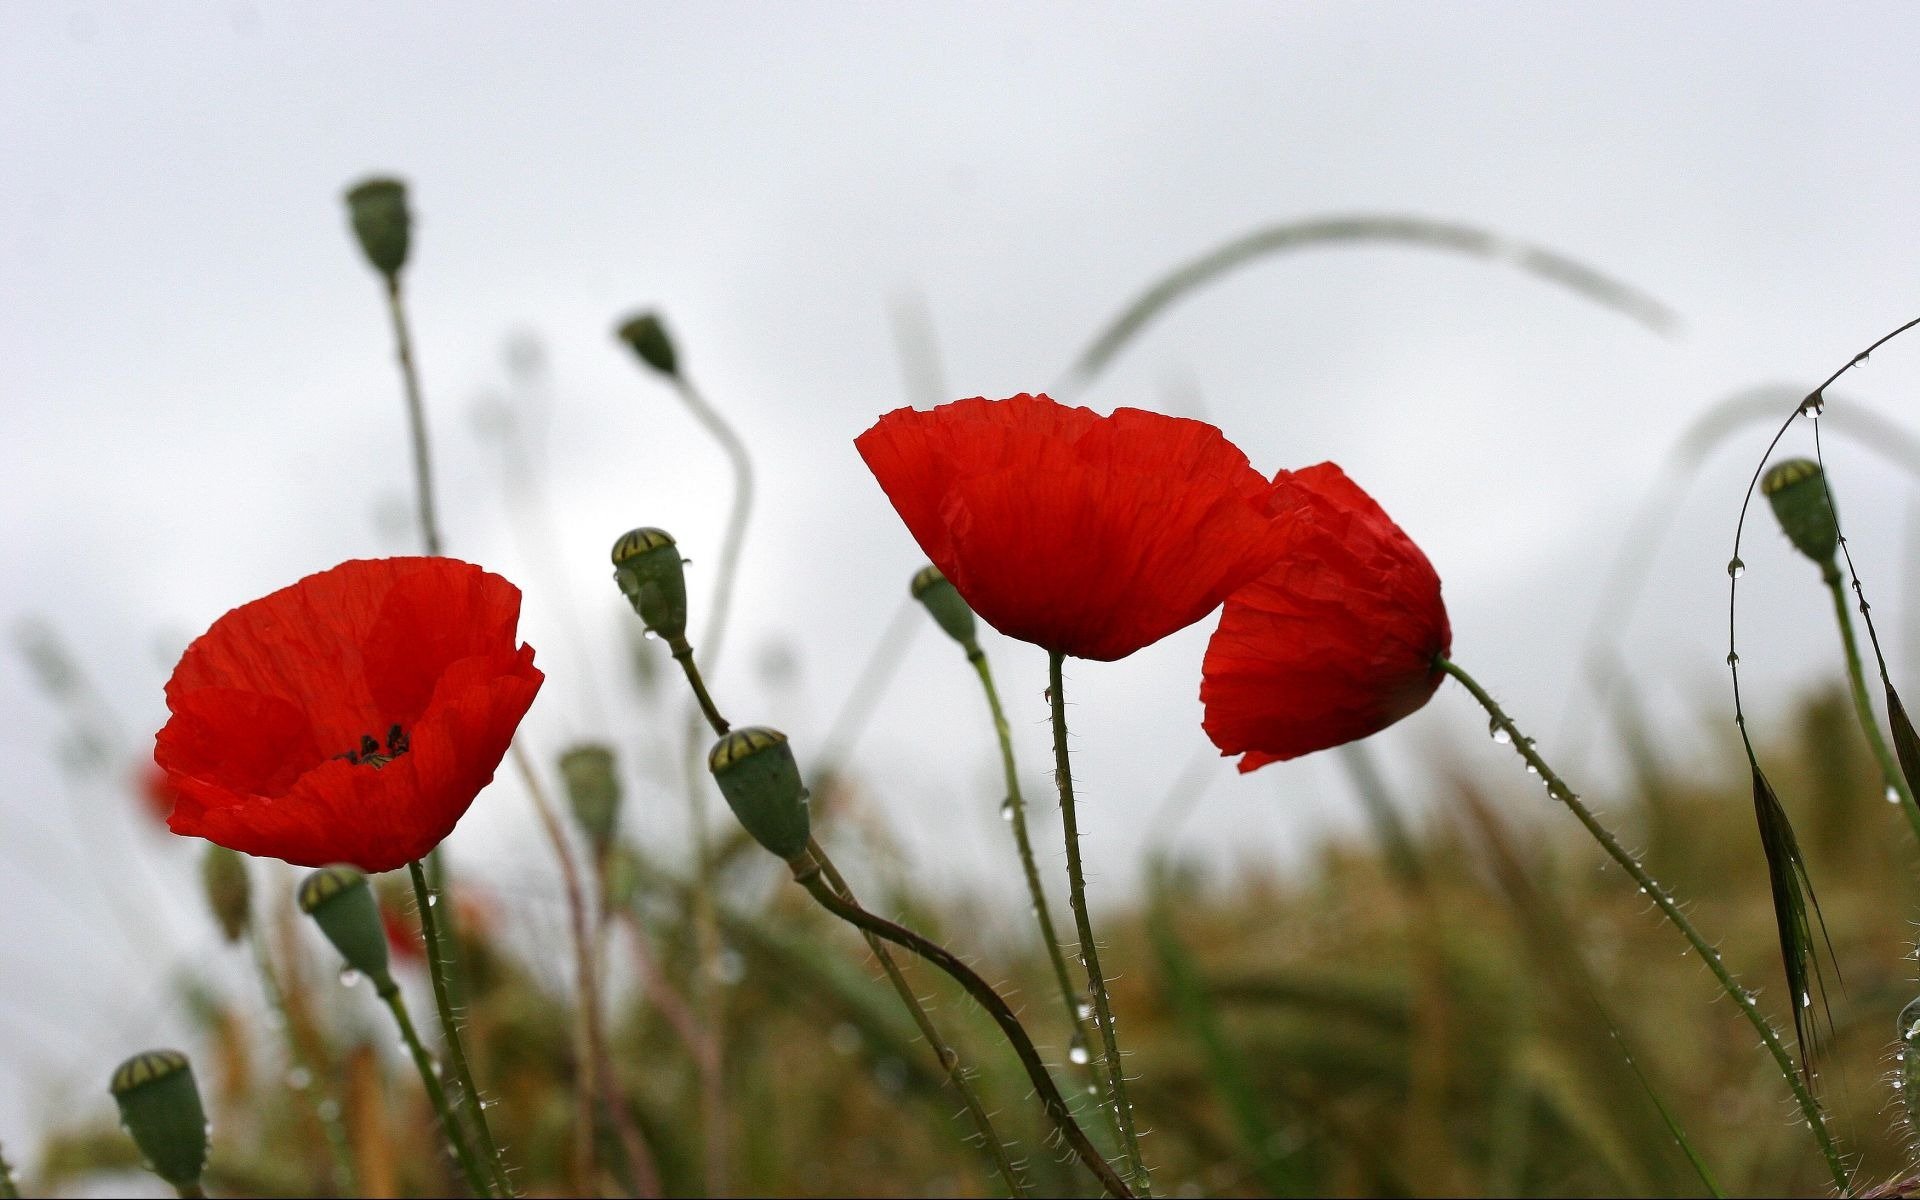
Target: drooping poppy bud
(223, 876)
(647, 334)
(382, 223)
(647, 566)
(160, 1107)
(342, 904)
(593, 792)
(1797, 489)
(757, 774)
(931, 589)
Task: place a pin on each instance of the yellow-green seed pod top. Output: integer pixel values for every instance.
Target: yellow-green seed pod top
(160, 1107)
(340, 902)
(1798, 492)
(648, 568)
(757, 774)
(647, 334)
(382, 223)
(229, 891)
(593, 792)
(932, 589)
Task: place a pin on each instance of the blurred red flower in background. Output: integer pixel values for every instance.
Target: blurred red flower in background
(1336, 642)
(1092, 536)
(350, 718)
(154, 790)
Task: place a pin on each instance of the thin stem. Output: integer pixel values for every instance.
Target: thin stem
(1890, 773)
(416, 417)
(949, 1058)
(808, 875)
(1810, 1109)
(742, 463)
(683, 654)
(1017, 817)
(456, 1054)
(8, 1189)
(430, 1079)
(1089, 951)
(318, 1090)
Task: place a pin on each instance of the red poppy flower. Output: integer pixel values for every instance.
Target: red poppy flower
(1336, 642)
(350, 718)
(1088, 535)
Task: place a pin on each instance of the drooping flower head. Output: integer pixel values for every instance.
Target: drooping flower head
(1336, 642)
(1092, 536)
(350, 718)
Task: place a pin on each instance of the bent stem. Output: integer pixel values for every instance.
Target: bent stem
(456, 1054)
(1017, 817)
(807, 871)
(742, 464)
(318, 1090)
(1089, 952)
(1890, 773)
(1810, 1108)
(437, 1095)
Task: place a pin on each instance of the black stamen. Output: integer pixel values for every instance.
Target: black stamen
(368, 746)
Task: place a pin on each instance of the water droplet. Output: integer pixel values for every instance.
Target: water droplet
(1732, 660)
(1093, 1089)
(1532, 770)
(1006, 809)
(1736, 568)
(651, 636)
(1860, 360)
(433, 900)
(1898, 1083)
(489, 1102)
(1893, 794)
(1813, 406)
(1077, 1052)
(1084, 1009)
(1498, 732)
(1806, 1000)
(299, 1079)
(329, 1110)
(349, 977)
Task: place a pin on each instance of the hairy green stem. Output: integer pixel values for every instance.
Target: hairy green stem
(1089, 950)
(450, 1030)
(1810, 1108)
(326, 1110)
(1891, 776)
(807, 872)
(949, 1058)
(1036, 890)
(437, 1095)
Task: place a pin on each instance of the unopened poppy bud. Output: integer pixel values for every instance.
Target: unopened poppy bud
(382, 223)
(931, 588)
(647, 334)
(647, 566)
(1797, 489)
(223, 876)
(342, 904)
(160, 1106)
(757, 774)
(593, 792)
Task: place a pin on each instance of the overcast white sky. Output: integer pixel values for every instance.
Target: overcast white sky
(197, 403)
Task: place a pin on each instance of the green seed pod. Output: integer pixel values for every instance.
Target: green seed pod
(593, 792)
(647, 334)
(1798, 492)
(382, 223)
(223, 876)
(647, 566)
(757, 774)
(340, 902)
(931, 588)
(160, 1106)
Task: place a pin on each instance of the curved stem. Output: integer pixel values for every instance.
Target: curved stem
(1089, 951)
(1891, 776)
(430, 1079)
(742, 464)
(416, 417)
(808, 874)
(1017, 817)
(949, 1058)
(318, 1090)
(683, 654)
(456, 1054)
(1810, 1109)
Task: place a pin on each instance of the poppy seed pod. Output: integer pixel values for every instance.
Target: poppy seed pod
(1797, 489)
(223, 876)
(593, 792)
(647, 334)
(160, 1107)
(342, 904)
(931, 588)
(382, 223)
(757, 774)
(647, 566)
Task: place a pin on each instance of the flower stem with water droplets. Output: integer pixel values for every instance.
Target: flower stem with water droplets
(437, 1095)
(1810, 1108)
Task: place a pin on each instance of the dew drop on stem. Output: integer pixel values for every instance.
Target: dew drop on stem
(1077, 1053)
(1498, 732)
(1736, 568)
(1006, 809)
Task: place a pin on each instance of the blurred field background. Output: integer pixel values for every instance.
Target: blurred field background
(841, 209)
